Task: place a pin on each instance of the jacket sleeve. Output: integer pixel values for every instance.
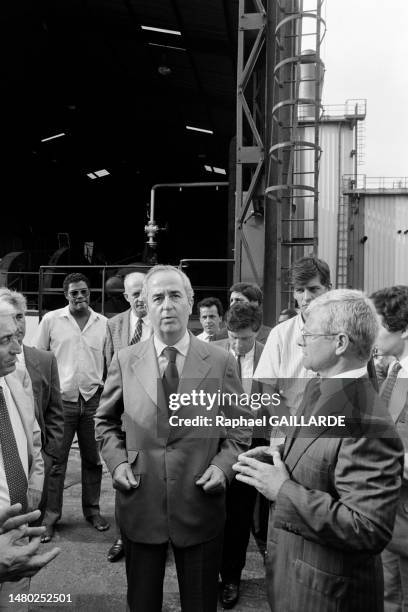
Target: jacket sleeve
(237, 439)
(54, 413)
(36, 475)
(108, 349)
(42, 337)
(108, 421)
(361, 512)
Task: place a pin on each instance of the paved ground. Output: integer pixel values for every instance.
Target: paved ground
(95, 585)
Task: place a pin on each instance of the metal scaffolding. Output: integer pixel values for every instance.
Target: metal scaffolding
(279, 82)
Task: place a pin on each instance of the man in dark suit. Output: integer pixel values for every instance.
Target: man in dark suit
(246, 293)
(126, 328)
(170, 475)
(42, 370)
(243, 322)
(335, 495)
(392, 343)
(130, 326)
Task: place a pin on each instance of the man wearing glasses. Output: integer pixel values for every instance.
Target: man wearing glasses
(76, 335)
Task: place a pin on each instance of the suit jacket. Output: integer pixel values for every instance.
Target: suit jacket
(261, 337)
(25, 406)
(224, 343)
(43, 371)
(336, 513)
(117, 334)
(167, 460)
(399, 414)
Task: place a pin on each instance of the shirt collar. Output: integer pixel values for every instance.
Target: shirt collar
(134, 318)
(92, 317)
(404, 363)
(247, 355)
(357, 373)
(182, 345)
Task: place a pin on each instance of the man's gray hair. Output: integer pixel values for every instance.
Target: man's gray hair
(14, 298)
(166, 268)
(349, 311)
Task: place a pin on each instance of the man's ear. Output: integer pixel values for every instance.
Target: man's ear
(404, 334)
(343, 342)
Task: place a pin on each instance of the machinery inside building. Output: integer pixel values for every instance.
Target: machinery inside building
(104, 100)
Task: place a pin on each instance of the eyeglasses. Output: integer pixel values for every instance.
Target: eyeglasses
(77, 292)
(305, 334)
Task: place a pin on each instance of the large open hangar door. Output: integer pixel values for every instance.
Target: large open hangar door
(124, 81)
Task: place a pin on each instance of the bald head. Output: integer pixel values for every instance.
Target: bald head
(133, 286)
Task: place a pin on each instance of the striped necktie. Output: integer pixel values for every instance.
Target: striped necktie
(389, 383)
(138, 332)
(13, 467)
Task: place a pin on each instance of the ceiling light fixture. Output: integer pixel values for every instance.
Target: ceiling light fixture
(97, 174)
(161, 30)
(197, 129)
(53, 137)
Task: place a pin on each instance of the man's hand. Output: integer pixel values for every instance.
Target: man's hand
(123, 478)
(267, 479)
(19, 559)
(213, 480)
(33, 499)
(263, 453)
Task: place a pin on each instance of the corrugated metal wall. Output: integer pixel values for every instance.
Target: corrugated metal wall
(386, 248)
(337, 143)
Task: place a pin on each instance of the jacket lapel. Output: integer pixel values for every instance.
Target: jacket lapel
(124, 328)
(25, 407)
(196, 366)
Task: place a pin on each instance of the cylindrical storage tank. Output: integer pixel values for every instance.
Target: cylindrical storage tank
(386, 245)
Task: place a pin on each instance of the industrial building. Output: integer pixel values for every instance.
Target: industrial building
(218, 107)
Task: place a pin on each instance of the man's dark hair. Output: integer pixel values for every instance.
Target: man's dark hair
(304, 269)
(208, 302)
(241, 316)
(251, 291)
(392, 304)
(74, 277)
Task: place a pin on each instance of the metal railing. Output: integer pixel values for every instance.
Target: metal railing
(352, 182)
(351, 109)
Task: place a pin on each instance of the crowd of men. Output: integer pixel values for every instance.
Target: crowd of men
(327, 509)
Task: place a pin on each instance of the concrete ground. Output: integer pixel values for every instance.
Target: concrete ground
(95, 585)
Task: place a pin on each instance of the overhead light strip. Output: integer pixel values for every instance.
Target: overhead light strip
(161, 30)
(197, 129)
(53, 137)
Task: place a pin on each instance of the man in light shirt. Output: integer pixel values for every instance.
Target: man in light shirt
(281, 363)
(335, 490)
(210, 311)
(76, 335)
(21, 463)
(392, 306)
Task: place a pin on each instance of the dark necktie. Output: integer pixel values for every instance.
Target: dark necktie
(239, 367)
(138, 332)
(170, 375)
(13, 468)
(389, 383)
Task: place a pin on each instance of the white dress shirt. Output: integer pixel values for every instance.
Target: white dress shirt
(281, 362)
(182, 347)
(204, 336)
(21, 440)
(79, 353)
(146, 327)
